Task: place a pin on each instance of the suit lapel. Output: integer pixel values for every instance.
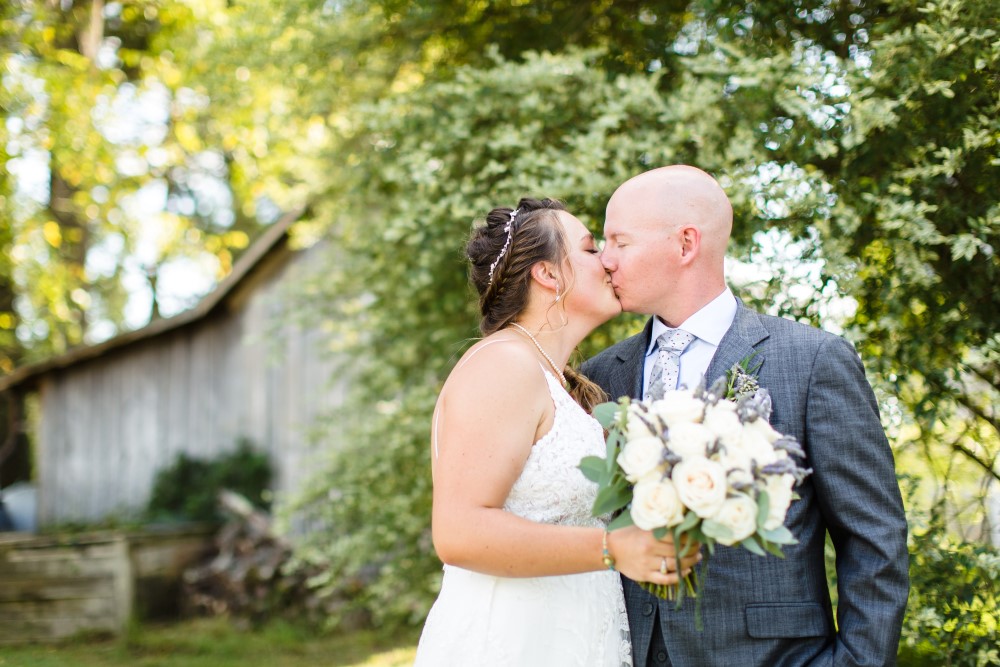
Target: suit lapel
(738, 343)
(627, 376)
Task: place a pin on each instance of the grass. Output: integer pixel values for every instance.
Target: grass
(218, 643)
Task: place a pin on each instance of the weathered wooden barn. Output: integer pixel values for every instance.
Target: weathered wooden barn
(109, 416)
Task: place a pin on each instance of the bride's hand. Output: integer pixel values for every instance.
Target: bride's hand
(641, 557)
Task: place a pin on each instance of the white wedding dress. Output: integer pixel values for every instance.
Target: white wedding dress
(575, 620)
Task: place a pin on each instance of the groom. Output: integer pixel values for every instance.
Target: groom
(666, 233)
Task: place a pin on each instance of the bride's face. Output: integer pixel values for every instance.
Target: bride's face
(588, 292)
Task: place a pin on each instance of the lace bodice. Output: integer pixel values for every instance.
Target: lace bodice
(551, 488)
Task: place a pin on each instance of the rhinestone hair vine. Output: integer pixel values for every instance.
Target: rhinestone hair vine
(509, 228)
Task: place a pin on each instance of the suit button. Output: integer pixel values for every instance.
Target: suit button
(647, 609)
(661, 657)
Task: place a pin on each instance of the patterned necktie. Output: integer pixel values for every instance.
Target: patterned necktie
(667, 367)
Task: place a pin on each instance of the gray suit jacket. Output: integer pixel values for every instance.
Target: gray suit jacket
(768, 611)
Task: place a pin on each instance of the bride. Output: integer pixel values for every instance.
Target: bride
(530, 577)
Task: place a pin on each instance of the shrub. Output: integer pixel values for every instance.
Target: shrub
(188, 489)
(952, 614)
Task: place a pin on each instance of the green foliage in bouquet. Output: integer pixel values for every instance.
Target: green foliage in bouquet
(701, 464)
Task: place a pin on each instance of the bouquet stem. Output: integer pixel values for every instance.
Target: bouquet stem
(687, 587)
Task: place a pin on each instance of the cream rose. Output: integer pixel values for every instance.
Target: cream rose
(640, 457)
(737, 470)
(639, 427)
(761, 426)
(688, 440)
(722, 420)
(701, 485)
(679, 406)
(739, 515)
(779, 495)
(655, 503)
(756, 446)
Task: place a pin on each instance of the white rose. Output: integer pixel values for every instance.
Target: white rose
(723, 421)
(756, 446)
(638, 427)
(735, 456)
(640, 457)
(655, 503)
(737, 472)
(701, 485)
(679, 406)
(779, 494)
(739, 515)
(761, 426)
(688, 440)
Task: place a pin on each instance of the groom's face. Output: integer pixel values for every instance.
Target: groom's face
(638, 253)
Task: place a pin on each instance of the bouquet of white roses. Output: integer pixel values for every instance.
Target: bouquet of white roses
(703, 464)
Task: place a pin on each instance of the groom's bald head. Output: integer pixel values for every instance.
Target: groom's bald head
(680, 195)
(666, 236)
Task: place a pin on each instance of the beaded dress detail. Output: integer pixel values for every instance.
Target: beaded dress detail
(576, 620)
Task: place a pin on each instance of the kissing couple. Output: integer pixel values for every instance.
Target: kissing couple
(531, 578)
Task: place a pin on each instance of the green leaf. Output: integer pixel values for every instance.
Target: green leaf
(611, 499)
(593, 468)
(773, 549)
(690, 519)
(763, 507)
(750, 544)
(623, 520)
(612, 448)
(715, 530)
(779, 535)
(605, 414)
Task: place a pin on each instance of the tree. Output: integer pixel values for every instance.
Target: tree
(881, 159)
(109, 180)
(442, 155)
(798, 109)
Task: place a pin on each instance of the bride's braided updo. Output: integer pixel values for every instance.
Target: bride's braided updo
(501, 254)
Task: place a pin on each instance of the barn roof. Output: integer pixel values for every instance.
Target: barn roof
(273, 238)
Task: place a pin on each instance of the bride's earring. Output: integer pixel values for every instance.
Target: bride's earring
(557, 292)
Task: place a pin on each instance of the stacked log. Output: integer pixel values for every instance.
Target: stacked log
(253, 576)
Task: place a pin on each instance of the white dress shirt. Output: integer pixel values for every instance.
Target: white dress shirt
(708, 326)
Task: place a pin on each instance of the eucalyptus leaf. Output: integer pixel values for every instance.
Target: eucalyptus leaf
(763, 508)
(751, 544)
(715, 530)
(605, 414)
(623, 520)
(593, 468)
(611, 499)
(690, 520)
(780, 535)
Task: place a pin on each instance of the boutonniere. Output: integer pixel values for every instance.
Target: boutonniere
(743, 388)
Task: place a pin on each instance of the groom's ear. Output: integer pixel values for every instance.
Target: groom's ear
(689, 238)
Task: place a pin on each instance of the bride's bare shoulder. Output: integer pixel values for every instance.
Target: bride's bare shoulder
(497, 364)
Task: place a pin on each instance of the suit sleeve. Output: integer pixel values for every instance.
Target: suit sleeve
(857, 490)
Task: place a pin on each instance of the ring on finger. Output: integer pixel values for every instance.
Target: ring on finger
(663, 565)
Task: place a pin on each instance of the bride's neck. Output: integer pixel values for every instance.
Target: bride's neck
(559, 343)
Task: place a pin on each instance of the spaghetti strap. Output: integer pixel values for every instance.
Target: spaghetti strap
(437, 414)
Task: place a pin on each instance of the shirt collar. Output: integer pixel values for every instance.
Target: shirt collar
(709, 324)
